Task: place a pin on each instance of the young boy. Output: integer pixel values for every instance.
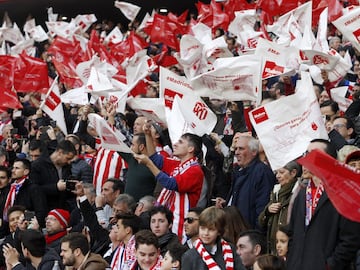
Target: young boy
(147, 251)
(210, 250)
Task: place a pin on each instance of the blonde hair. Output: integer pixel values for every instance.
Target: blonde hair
(345, 151)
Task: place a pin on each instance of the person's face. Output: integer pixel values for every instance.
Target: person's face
(135, 146)
(34, 154)
(4, 179)
(282, 241)
(167, 262)
(326, 110)
(18, 170)
(159, 225)
(67, 255)
(246, 251)
(243, 153)
(52, 225)
(122, 232)
(356, 66)
(284, 176)
(108, 193)
(14, 218)
(191, 224)
(355, 163)
(146, 256)
(113, 234)
(138, 124)
(208, 235)
(323, 97)
(181, 147)
(63, 158)
(339, 124)
(120, 208)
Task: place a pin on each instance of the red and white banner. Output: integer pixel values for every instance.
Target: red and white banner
(52, 106)
(277, 59)
(190, 114)
(321, 59)
(341, 182)
(172, 85)
(110, 139)
(339, 94)
(151, 108)
(234, 78)
(349, 26)
(286, 126)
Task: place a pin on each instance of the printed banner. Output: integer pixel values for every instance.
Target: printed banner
(286, 126)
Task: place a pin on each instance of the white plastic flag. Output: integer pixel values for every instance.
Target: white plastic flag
(38, 34)
(286, 126)
(110, 139)
(234, 78)
(98, 82)
(85, 21)
(52, 106)
(322, 44)
(129, 10)
(151, 108)
(349, 26)
(75, 96)
(338, 94)
(115, 36)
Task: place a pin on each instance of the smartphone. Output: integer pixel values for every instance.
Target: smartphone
(29, 215)
(70, 185)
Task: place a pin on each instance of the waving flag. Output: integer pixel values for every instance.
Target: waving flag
(129, 10)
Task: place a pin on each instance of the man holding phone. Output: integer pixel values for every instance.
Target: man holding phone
(23, 192)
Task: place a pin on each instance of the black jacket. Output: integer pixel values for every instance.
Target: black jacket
(330, 240)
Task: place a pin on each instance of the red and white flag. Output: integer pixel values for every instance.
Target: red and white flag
(323, 60)
(114, 37)
(13, 34)
(38, 33)
(190, 114)
(341, 182)
(52, 106)
(322, 44)
(98, 82)
(75, 96)
(85, 21)
(287, 125)
(110, 139)
(349, 26)
(277, 59)
(129, 10)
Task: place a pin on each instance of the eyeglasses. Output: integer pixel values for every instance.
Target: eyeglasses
(338, 126)
(190, 219)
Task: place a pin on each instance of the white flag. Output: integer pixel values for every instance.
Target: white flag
(338, 94)
(85, 21)
(115, 36)
(75, 96)
(38, 33)
(52, 106)
(110, 139)
(98, 82)
(190, 114)
(349, 26)
(286, 126)
(151, 108)
(233, 78)
(129, 10)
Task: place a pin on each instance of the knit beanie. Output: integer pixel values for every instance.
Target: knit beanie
(63, 216)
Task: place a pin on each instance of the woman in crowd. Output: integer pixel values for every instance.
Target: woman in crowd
(269, 262)
(275, 212)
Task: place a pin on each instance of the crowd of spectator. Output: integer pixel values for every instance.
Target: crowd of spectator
(69, 203)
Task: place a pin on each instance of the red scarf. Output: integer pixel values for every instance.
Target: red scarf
(53, 237)
(209, 261)
(14, 190)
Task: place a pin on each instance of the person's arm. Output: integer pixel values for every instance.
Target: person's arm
(150, 146)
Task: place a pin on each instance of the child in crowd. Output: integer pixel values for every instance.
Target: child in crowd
(282, 240)
(210, 250)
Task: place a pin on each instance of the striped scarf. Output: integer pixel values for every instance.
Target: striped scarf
(209, 261)
(14, 190)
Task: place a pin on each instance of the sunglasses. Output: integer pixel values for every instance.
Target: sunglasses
(190, 219)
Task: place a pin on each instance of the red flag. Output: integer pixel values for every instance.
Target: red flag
(231, 6)
(33, 77)
(341, 182)
(335, 10)
(9, 99)
(66, 70)
(7, 68)
(220, 18)
(162, 33)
